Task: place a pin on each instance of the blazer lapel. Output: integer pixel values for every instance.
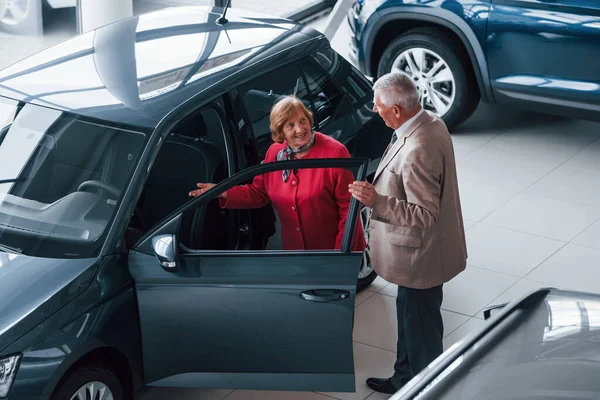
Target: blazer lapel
(392, 151)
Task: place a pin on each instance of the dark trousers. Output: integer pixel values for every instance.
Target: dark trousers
(420, 331)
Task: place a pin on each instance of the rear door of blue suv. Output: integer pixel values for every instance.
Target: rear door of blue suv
(540, 54)
(546, 53)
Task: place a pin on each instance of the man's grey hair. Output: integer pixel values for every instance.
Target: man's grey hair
(398, 89)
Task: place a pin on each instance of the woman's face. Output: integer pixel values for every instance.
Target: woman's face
(297, 130)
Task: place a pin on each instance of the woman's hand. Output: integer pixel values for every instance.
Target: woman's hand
(204, 187)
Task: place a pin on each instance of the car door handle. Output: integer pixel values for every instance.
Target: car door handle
(324, 295)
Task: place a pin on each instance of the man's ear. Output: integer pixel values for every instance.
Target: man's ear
(396, 110)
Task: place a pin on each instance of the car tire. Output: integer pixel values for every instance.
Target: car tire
(452, 87)
(90, 382)
(365, 282)
(366, 274)
(22, 17)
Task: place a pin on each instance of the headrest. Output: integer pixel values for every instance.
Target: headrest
(192, 126)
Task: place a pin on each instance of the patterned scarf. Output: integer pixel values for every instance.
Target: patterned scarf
(287, 151)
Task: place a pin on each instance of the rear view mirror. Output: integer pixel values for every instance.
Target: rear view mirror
(165, 249)
(493, 310)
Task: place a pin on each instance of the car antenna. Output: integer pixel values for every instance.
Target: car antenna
(223, 20)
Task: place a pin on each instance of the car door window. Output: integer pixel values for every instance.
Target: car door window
(195, 151)
(260, 95)
(354, 83)
(307, 212)
(326, 96)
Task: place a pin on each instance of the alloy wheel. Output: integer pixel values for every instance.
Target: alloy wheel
(93, 391)
(13, 12)
(366, 267)
(432, 75)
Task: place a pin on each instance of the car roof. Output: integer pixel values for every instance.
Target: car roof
(137, 70)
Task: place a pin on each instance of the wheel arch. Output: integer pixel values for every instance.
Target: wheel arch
(108, 356)
(386, 28)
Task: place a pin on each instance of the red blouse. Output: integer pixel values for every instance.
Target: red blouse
(312, 205)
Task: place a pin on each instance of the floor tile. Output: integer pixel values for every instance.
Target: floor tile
(473, 288)
(557, 139)
(587, 159)
(378, 284)
(183, 394)
(480, 199)
(452, 321)
(390, 290)
(581, 186)
(368, 361)
(494, 119)
(468, 224)
(573, 267)
(466, 143)
(375, 322)
(515, 292)
(543, 216)
(590, 237)
(379, 396)
(274, 395)
(470, 326)
(511, 171)
(362, 296)
(506, 251)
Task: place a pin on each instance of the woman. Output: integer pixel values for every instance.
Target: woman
(312, 204)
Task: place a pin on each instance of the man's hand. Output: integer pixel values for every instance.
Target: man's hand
(204, 187)
(364, 192)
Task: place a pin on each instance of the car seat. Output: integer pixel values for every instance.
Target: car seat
(185, 159)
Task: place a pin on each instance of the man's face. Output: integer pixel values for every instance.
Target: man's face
(390, 115)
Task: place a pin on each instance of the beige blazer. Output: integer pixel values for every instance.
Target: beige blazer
(417, 232)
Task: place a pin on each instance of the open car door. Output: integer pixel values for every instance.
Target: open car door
(240, 319)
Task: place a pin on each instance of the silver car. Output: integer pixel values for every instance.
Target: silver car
(545, 346)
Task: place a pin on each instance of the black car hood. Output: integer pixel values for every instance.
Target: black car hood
(32, 289)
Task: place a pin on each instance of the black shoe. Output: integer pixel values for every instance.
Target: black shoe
(382, 385)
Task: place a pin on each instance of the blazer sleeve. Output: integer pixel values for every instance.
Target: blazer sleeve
(343, 178)
(252, 195)
(422, 172)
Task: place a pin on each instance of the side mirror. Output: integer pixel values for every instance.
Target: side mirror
(165, 250)
(492, 310)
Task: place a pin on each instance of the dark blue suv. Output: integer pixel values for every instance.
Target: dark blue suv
(543, 54)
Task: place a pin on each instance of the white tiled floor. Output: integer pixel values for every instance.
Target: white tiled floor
(531, 201)
(530, 193)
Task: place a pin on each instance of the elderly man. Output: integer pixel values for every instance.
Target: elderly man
(417, 233)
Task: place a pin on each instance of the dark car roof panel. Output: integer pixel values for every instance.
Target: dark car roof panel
(137, 70)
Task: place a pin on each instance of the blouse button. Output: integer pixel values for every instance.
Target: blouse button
(293, 208)
(298, 229)
(294, 183)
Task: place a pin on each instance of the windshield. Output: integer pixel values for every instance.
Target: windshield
(61, 179)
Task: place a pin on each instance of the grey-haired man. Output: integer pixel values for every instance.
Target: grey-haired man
(417, 233)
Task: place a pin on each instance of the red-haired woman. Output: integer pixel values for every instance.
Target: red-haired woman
(312, 203)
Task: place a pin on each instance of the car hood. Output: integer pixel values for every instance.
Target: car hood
(32, 289)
